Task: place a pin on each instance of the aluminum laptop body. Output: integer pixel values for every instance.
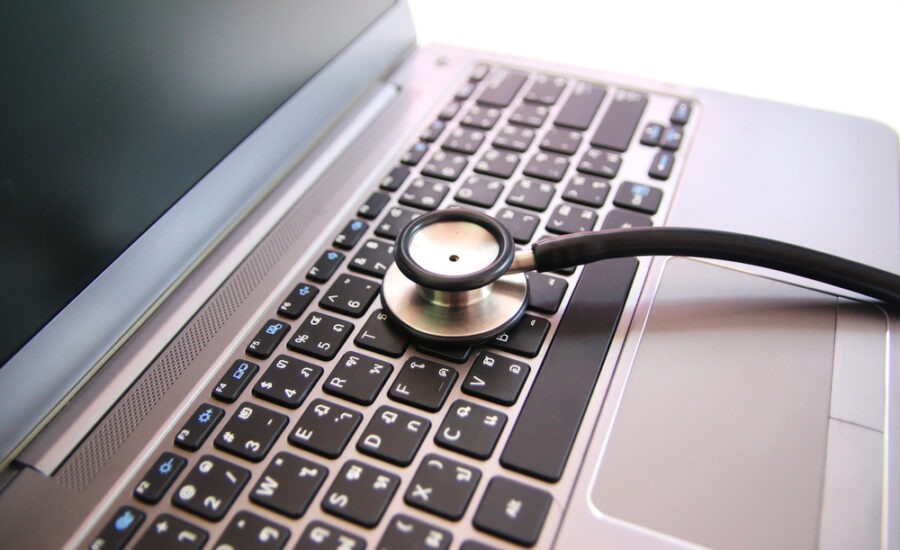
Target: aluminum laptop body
(667, 402)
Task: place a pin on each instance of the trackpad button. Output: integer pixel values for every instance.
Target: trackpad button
(720, 436)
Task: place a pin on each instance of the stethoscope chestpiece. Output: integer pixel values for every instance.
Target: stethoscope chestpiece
(448, 282)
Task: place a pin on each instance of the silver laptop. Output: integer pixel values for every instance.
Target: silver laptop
(199, 204)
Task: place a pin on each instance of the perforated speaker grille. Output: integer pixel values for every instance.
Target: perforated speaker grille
(117, 426)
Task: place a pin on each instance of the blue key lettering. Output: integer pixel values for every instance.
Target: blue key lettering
(273, 329)
(205, 416)
(240, 371)
(166, 466)
(356, 225)
(124, 521)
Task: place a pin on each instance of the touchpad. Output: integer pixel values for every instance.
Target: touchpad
(720, 436)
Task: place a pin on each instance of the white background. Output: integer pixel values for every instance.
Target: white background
(836, 56)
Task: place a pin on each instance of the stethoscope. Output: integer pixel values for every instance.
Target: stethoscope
(458, 278)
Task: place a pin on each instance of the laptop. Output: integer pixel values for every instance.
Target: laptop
(199, 204)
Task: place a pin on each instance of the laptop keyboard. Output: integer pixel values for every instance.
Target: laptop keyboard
(335, 430)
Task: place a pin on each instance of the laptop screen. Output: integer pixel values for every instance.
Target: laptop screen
(112, 110)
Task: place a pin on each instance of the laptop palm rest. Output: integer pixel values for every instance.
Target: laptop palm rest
(721, 434)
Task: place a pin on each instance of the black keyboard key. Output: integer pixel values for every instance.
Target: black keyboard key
(157, 480)
(210, 488)
(433, 131)
(426, 193)
(360, 493)
(496, 378)
(681, 113)
(381, 335)
(625, 219)
(637, 196)
(251, 432)
(480, 191)
(525, 338)
(235, 379)
(515, 138)
(350, 295)
(374, 258)
(326, 266)
(198, 427)
(358, 378)
(545, 292)
(319, 535)
(373, 206)
(423, 384)
(267, 339)
(600, 163)
(587, 190)
(393, 435)
(652, 134)
(568, 218)
(482, 118)
(168, 531)
(531, 194)
(619, 122)
(351, 234)
(287, 381)
(444, 165)
(546, 89)
(442, 486)
(539, 443)
(414, 154)
(450, 111)
(289, 484)
(320, 336)
(521, 225)
(464, 140)
(406, 533)
(466, 91)
(395, 220)
(496, 163)
(671, 138)
(394, 179)
(470, 429)
(661, 167)
(119, 529)
(325, 428)
(579, 110)
(295, 303)
(548, 166)
(561, 141)
(513, 511)
(246, 530)
(530, 115)
(502, 87)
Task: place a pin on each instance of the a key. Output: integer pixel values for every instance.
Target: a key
(289, 484)
(424, 384)
(496, 378)
(320, 336)
(470, 429)
(360, 493)
(251, 431)
(325, 428)
(512, 511)
(393, 435)
(442, 486)
(358, 378)
(287, 381)
(157, 480)
(210, 488)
